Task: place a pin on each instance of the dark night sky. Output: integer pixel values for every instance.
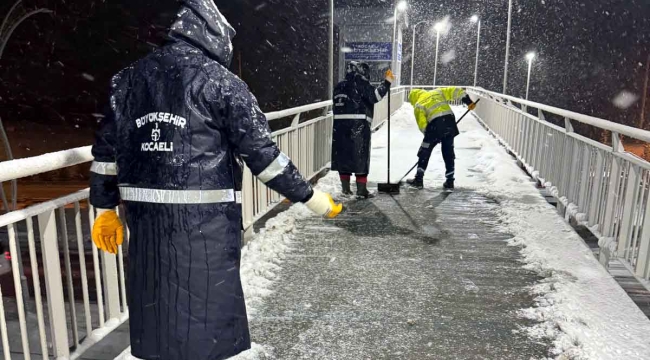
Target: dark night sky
(589, 51)
(56, 68)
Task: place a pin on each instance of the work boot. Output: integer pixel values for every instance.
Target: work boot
(449, 184)
(362, 191)
(417, 182)
(345, 184)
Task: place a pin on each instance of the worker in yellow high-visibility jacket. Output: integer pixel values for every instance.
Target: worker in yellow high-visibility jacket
(438, 123)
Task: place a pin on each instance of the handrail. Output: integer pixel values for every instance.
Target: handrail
(621, 129)
(20, 168)
(604, 124)
(34, 210)
(297, 110)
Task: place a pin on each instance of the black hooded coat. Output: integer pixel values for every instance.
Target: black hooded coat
(354, 109)
(169, 150)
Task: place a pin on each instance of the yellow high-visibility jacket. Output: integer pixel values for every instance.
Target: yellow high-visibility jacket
(431, 105)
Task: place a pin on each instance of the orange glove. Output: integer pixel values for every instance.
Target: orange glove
(390, 77)
(108, 231)
(323, 204)
(471, 106)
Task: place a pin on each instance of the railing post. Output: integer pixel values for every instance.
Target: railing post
(643, 259)
(584, 180)
(294, 148)
(596, 190)
(111, 285)
(54, 284)
(633, 179)
(568, 126)
(617, 144)
(612, 196)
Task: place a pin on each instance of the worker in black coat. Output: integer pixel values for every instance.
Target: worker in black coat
(354, 107)
(169, 150)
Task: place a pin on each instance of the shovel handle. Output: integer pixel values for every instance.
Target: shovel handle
(466, 112)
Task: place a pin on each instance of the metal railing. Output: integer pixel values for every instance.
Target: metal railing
(600, 186)
(79, 298)
(308, 144)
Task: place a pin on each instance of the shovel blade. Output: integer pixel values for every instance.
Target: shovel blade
(389, 188)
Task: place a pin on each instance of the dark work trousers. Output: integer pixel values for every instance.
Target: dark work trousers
(440, 131)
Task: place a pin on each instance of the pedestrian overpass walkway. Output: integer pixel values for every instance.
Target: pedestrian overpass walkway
(489, 271)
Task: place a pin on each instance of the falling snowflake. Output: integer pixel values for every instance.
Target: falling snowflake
(625, 99)
(88, 77)
(448, 57)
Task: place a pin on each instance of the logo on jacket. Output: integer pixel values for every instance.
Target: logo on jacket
(155, 133)
(155, 145)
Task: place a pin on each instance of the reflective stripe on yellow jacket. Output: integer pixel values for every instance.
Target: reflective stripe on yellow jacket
(431, 105)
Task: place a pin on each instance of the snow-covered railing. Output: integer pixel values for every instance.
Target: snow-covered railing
(20, 168)
(600, 186)
(307, 143)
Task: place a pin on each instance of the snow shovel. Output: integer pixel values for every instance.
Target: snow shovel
(416, 164)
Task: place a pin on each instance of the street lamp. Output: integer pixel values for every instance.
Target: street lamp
(476, 19)
(530, 57)
(400, 6)
(505, 73)
(413, 48)
(331, 52)
(438, 27)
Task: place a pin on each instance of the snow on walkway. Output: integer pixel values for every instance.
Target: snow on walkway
(579, 305)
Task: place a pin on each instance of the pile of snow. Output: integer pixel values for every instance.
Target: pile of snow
(262, 257)
(579, 306)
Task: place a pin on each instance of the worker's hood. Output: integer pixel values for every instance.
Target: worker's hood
(200, 24)
(415, 95)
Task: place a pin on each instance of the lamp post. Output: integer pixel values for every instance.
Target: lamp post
(413, 48)
(505, 73)
(530, 57)
(438, 27)
(476, 19)
(400, 6)
(331, 52)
